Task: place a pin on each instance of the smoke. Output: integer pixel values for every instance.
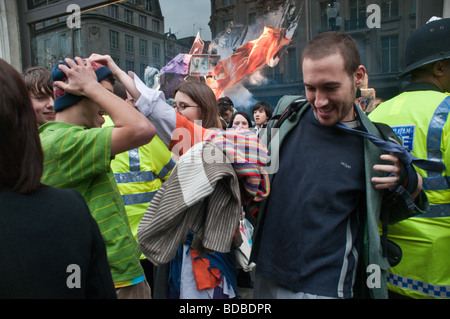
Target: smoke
(241, 96)
(242, 99)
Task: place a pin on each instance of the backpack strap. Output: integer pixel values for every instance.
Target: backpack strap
(290, 112)
(288, 107)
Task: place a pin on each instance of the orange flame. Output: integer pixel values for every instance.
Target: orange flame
(248, 58)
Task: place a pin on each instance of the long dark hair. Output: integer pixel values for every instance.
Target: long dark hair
(21, 156)
(247, 118)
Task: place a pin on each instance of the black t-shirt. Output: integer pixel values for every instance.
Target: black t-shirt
(310, 235)
(51, 247)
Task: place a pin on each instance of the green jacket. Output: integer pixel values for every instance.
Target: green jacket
(377, 201)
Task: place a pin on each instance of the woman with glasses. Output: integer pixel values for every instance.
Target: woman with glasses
(192, 123)
(196, 102)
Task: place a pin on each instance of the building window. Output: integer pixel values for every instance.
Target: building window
(114, 39)
(292, 60)
(275, 74)
(142, 21)
(128, 16)
(389, 9)
(129, 43)
(156, 50)
(323, 15)
(148, 5)
(114, 11)
(143, 67)
(362, 50)
(226, 3)
(155, 25)
(116, 60)
(33, 4)
(129, 65)
(389, 57)
(252, 18)
(358, 14)
(143, 47)
(413, 6)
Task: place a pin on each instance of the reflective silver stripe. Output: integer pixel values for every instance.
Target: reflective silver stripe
(138, 198)
(166, 169)
(437, 211)
(132, 177)
(434, 180)
(436, 183)
(418, 286)
(135, 165)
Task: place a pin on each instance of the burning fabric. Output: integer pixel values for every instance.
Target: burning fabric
(248, 58)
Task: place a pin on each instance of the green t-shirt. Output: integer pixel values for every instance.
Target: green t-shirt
(79, 158)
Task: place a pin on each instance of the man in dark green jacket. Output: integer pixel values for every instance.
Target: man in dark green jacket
(317, 234)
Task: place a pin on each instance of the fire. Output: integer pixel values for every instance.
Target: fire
(197, 46)
(247, 59)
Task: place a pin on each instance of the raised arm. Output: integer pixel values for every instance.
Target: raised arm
(178, 133)
(131, 129)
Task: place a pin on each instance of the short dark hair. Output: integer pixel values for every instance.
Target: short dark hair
(120, 90)
(267, 107)
(331, 42)
(225, 104)
(21, 156)
(38, 79)
(110, 78)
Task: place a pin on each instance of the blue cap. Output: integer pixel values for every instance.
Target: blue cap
(63, 99)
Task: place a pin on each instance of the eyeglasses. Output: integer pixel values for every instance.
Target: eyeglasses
(182, 106)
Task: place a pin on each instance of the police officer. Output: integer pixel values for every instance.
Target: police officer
(420, 116)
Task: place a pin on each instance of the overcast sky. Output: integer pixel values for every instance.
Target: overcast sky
(181, 15)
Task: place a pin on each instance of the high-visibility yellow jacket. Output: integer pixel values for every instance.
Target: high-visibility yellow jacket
(420, 117)
(139, 173)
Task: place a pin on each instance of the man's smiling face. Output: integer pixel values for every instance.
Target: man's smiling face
(330, 90)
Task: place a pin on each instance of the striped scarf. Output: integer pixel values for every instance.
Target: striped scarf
(249, 158)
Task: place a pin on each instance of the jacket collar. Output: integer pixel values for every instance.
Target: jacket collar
(421, 86)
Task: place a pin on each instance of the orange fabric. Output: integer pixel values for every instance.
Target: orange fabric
(185, 135)
(248, 58)
(197, 46)
(205, 278)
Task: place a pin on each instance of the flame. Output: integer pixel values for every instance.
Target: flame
(248, 58)
(197, 46)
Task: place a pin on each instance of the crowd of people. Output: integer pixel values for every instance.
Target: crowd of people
(108, 190)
